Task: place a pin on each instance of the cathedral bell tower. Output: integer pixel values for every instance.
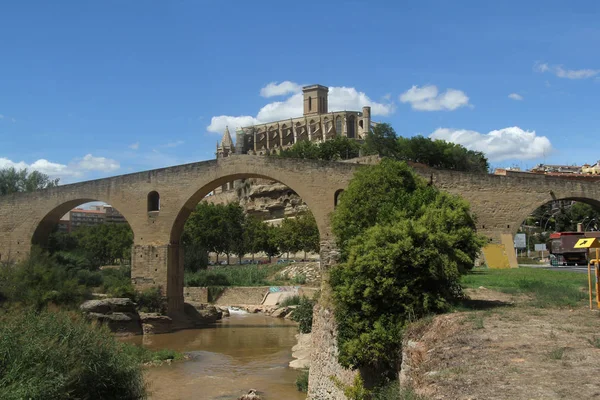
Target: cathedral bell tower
(315, 99)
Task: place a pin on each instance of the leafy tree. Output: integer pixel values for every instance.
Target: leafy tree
(271, 245)
(404, 247)
(381, 140)
(12, 181)
(309, 233)
(105, 244)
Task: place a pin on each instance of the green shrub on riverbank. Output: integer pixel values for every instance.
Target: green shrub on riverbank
(303, 315)
(40, 280)
(404, 246)
(302, 381)
(61, 356)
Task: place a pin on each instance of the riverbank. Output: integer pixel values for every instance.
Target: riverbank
(508, 348)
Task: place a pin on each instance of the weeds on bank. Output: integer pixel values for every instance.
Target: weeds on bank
(234, 275)
(291, 301)
(595, 342)
(557, 353)
(302, 381)
(547, 288)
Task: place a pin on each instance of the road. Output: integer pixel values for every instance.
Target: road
(580, 269)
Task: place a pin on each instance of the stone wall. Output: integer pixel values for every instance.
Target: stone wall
(232, 296)
(196, 294)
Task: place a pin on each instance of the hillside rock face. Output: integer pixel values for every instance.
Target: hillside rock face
(264, 199)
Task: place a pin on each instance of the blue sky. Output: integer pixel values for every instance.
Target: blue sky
(92, 89)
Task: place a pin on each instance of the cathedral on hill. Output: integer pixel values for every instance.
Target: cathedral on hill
(317, 124)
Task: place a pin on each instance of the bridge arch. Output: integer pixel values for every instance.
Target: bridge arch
(44, 226)
(514, 222)
(319, 199)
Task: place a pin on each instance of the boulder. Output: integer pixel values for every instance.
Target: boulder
(250, 396)
(201, 314)
(280, 312)
(118, 314)
(119, 323)
(155, 323)
(108, 305)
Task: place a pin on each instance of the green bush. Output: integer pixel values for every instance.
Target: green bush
(291, 301)
(40, 280)
(213, 293)
(302, 381)
(299, 279)
(303, 314)
(151, 300)
(60, 356)
(405, 246)
(117, 282)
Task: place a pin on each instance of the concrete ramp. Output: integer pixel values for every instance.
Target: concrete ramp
(277, 294)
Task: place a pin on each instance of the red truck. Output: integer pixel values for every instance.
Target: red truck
(562, 246)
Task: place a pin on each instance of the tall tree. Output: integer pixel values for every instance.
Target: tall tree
(12, 181)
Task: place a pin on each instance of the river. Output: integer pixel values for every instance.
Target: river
(241, 352)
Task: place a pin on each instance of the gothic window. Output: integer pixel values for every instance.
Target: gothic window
(351, 127)
(153, 201)
(309, 103)
(338, 125)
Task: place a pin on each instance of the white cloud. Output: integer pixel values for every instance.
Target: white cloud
(134, 146)
(75, 169)
(428, 98)
(340, 99)
(561, 72)
(175, 143)
(515, 96)
(91, 163)
(511, 143)
(280, 89)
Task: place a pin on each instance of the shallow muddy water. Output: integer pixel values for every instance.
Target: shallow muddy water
(241, 352)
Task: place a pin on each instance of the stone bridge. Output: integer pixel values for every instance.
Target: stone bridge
(157, 203)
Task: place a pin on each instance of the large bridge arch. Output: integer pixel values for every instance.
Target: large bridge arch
(47, 223)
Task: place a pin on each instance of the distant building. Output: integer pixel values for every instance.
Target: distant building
(564, 169)
(79, 217)
(591, 169)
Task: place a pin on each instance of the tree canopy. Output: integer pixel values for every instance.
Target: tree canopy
(12, 181)
(227, 229)
(384, 141)
(338, 148)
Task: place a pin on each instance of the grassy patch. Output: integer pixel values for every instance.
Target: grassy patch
(144, 355)
(234, 275)
(547, 288)
(61, 356)
(557, 353)
(595, 342)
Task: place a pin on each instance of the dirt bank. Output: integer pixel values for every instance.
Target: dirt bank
(505, 350)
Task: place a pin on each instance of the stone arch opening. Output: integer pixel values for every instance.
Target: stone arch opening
(175, 266)
(557, 224)
(51, 220)
(153, 201)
